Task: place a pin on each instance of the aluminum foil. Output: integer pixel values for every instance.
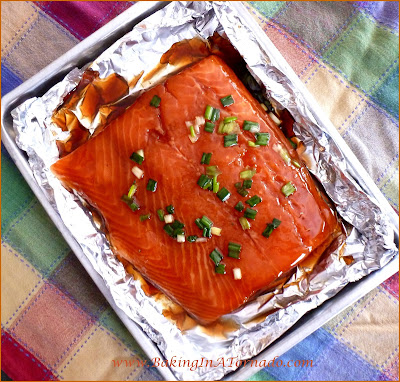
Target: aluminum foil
(370, 240)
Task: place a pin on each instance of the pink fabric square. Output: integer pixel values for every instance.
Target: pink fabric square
(51, 325)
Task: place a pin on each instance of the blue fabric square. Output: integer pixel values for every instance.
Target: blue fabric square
(9, 80)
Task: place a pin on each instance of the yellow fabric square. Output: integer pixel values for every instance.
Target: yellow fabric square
(341, 102)
(92, 359)
(16, 18)
(372, 334)
(19, 283)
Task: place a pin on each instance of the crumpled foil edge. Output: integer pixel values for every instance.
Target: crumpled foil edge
(370, 242)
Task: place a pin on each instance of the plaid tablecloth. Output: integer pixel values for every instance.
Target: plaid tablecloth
(56, 324)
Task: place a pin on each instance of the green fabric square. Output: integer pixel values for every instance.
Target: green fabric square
(268, 8)
(387, 94)
(15, 192)
(35, 236)
(111, 321)
(364, 53)
(262, 375)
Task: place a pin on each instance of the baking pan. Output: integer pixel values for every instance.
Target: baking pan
(89, 49)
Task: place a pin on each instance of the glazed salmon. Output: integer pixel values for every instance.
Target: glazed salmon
(101, 171)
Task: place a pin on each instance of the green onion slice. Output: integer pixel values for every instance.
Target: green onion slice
(242, 192)
(132, 190)
(151, 185)
(262, 139)
(209, 127)
(247, 183)
(169, 230)
(160, 214)
(293, 144)
(288, 189)
(229, 119)
(199, 223)
(244, 223)
(178, 231)
(253, 127)
(215, 184)
(170, 209)
(204, 181)
(207, 222)
(216, 256)
(192, 238)
(144, 217)
(213, 170)
(206, 232)
(137, 158)
(247, 174)
(192, 132)
(251, 144)
(239, 207)
(155, 101)
(220, 269)
(224, 194)
(250, 213)
(270, 227)
(230, 140)
(226, 101)
(215, 115)
(234, 250)
(253, 201)
(177, 224)
(206, 158)
(208, 113)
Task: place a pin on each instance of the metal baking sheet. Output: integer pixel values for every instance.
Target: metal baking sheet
(91, 48)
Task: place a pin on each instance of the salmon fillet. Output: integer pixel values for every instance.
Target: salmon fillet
(100, 171)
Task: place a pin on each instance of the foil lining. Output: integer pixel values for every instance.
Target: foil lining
(370, 240)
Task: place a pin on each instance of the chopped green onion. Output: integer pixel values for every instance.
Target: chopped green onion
(288, 189)
(206, 158)
(238, 185)
(192, 132)
(239, 207)
(213, 170)
(209, 127)
(247, 183)
(170, 209)
(155, 101)
(204, 181)
(134, 206)
(253, 127)
(208, 113)
(151, 185)
(250, 213)
(169, 218)
(178, 231)
(224, 194)
(237, 273)
(242, 192)
(247, 174)
(262, 139)
(226, 101)
(234, 250)
(284, 155)
(206, 232)
(132, 190)
(244, 223)
(216, 231)
(216, 256)
(251, 144)
(199, 223)
(137, 172)
(177, 224)
(160, 214)
(270, 227)
(253, 201)
(215, 185)
(192, 238)
(229, 119)
(215, 115)
(137, 158)
(169, 230)
(206, 222)
(144, 217)
(230, 140)
(293, 144)
(130, 202)
(220, 269)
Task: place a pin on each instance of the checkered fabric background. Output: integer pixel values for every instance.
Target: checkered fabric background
(55, 323)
